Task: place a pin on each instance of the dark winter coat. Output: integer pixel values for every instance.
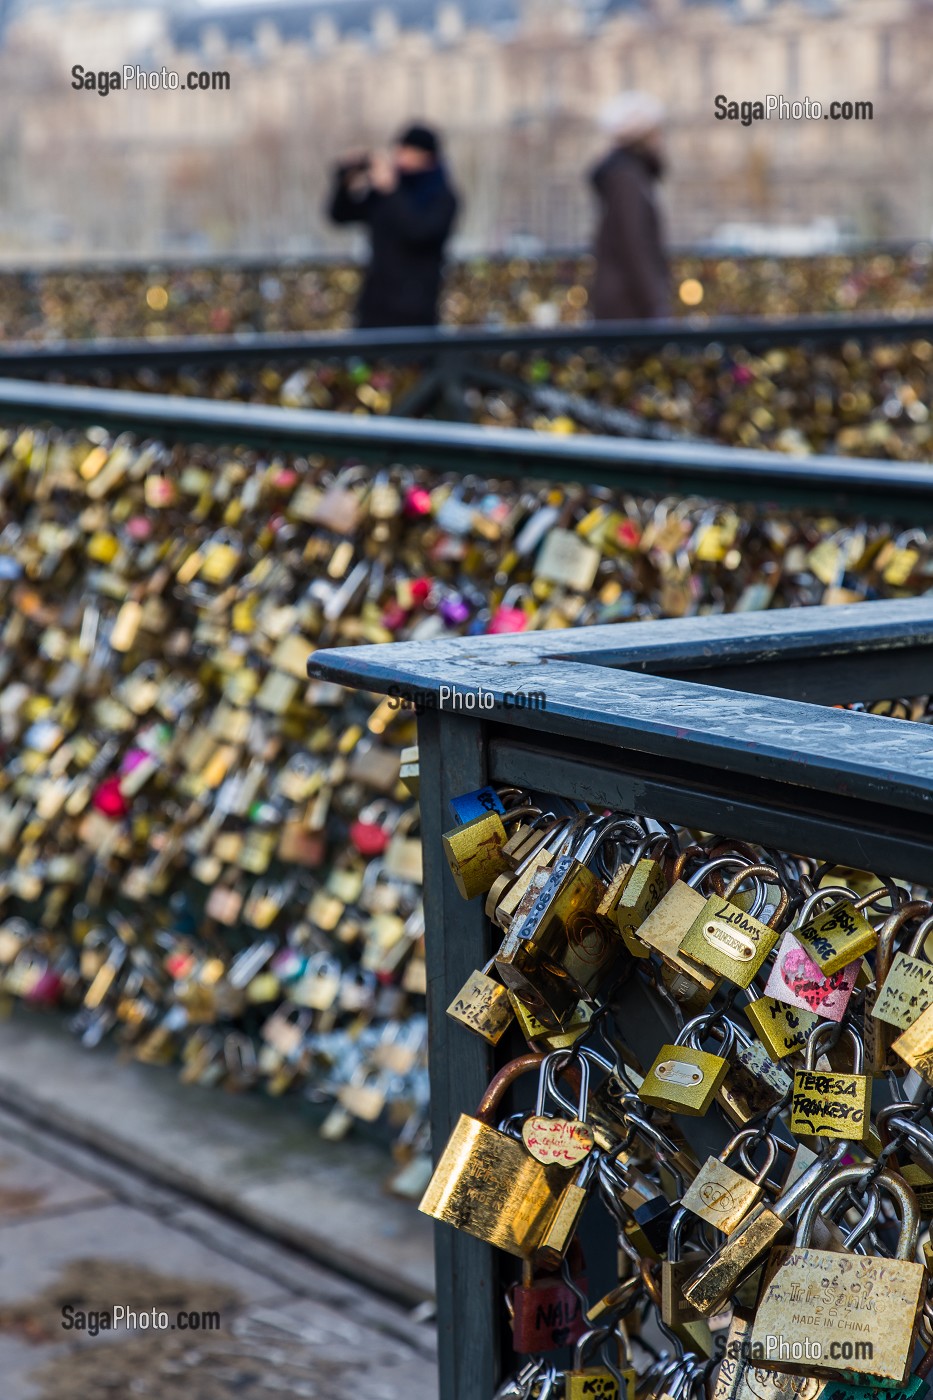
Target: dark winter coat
(631, 280)
(407, 230)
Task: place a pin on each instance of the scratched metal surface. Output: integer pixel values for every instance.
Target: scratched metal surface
(837, 751)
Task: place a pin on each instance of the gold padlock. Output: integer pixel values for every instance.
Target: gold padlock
(905, 989)
(684, 1078)
(835, 937)
(726, 938)
(827, 1103)
(845, 1297)
(474, 850)
(722, 1196)
(485, 1182)
(559, 951)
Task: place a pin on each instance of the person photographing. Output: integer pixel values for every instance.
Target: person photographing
(406, 201)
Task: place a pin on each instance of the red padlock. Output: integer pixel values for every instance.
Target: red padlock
(546, 1312)
(369, 833)
(508, 618)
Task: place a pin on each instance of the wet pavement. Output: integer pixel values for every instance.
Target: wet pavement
(231, 1314)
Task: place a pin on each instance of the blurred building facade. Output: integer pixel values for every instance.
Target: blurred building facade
(515, 85)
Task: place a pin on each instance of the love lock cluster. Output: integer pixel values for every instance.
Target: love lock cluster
(795, 1003)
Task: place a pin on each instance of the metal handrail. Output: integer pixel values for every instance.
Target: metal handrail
(446, 343)
(892, 491)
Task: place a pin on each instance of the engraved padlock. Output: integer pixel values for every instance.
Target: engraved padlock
(730, 940)
(722, 1196)
(487, 1184)
(842, 1297)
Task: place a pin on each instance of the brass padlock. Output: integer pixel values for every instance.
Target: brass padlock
(559, 952)
(728, 939)
(906, 989)
(488, 1185)
(742, 1251)
(722, 1196)
(845, 1297)
(474, 850)
(782, 1029)
(829, 1104)
(684, 1078)
(835, 937)
(684, 1321)
(483, 1006)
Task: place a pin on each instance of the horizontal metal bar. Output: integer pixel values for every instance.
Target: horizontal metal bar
(866, 835)
(450, 342)
(824, 753)
(888, 490)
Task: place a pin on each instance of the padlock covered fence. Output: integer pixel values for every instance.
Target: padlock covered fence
(319, 294)
(747, 827)
(210, 858)
(853, 385)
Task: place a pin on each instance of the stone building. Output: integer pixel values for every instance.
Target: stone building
(515, 85)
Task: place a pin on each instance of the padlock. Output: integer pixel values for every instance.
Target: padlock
(831, 1104)
(722, 1196)
(729, 940)
(676, 1313)
(835, 937)
(606, 1382)
(558, 951)
(782, 1029)
(474, 850)
(470, 805)
(664, 929)
(487, 1184)
(547, 1312)
(742, 1251)
(879, 1032)
(796, 981)
(842, 1297)
(906, 988)
(684, 1078)
(754, 1083)
(559, 1139)
(483, 1006)
(915, 1045)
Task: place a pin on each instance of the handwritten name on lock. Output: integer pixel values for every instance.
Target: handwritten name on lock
(829, 1105)
(561, 1140)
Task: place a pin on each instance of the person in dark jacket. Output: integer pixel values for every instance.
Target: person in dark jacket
(408, 204)
(631, 280)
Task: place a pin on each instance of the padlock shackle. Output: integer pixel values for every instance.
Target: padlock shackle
(814, 900)
(717, 863)
(503, 1081)
(760, 873)
(823, 1032)
(888, 1181)
(888, 932)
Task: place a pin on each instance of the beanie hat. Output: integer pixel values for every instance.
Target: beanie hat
(421, 137)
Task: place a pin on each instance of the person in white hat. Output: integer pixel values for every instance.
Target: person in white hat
(631, 280)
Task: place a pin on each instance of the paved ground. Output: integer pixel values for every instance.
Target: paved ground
(79, 1232)
(260, 1160)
